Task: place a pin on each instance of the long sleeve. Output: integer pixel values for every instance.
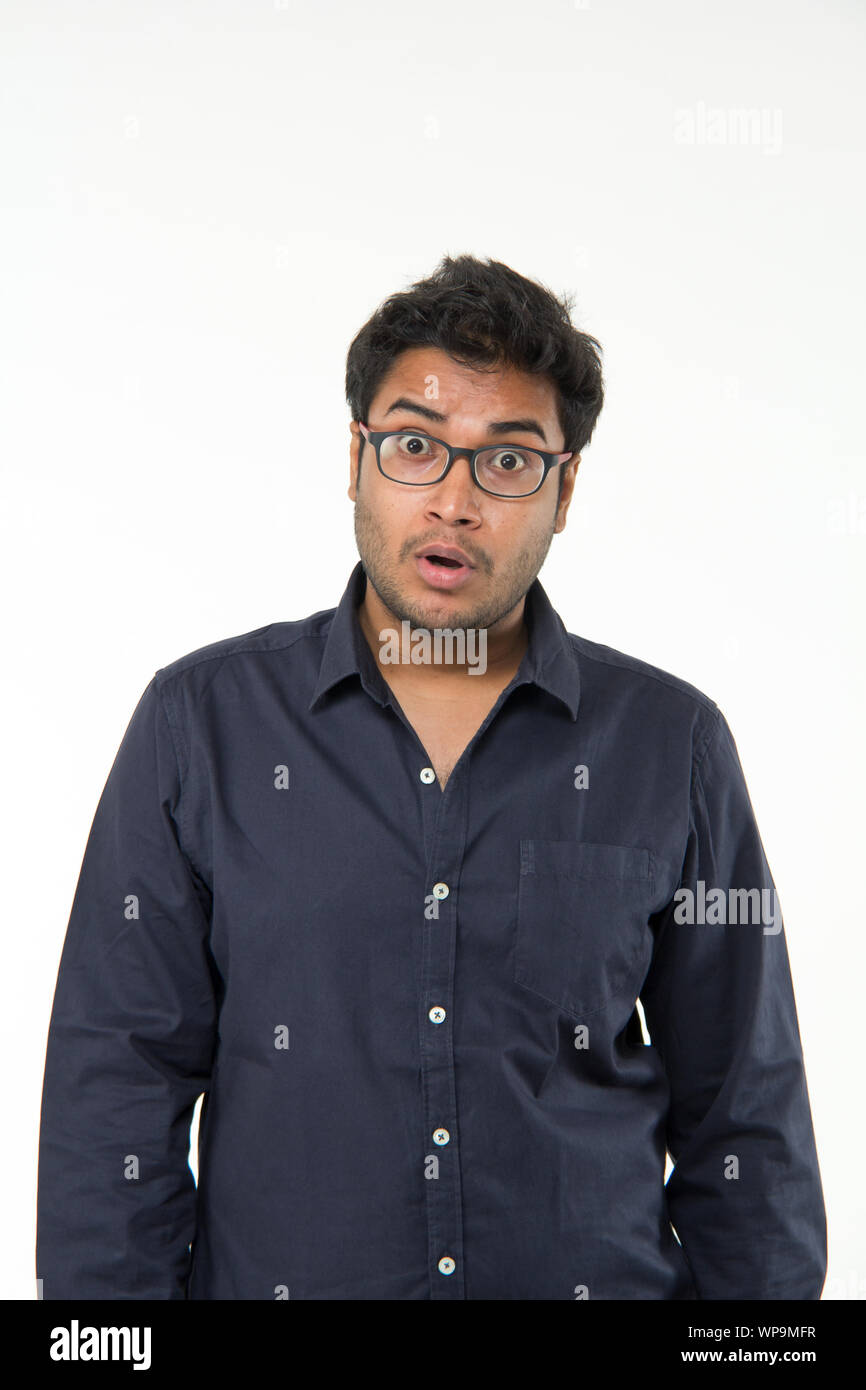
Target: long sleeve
(130, 1043)
(745, 1195)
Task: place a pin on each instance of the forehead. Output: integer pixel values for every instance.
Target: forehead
(431, 376)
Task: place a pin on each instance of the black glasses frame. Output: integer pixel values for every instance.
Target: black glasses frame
(377, 437)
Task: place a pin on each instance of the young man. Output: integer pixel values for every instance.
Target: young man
(392, 914)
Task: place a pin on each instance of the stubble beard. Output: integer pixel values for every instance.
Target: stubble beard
(515, 578)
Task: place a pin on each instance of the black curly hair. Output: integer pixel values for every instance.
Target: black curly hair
(484, 315)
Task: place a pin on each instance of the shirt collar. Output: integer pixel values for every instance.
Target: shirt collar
(549, 661)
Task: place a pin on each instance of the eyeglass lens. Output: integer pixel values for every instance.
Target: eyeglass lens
(413, 458)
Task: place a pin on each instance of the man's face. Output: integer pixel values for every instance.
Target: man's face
(505, 538)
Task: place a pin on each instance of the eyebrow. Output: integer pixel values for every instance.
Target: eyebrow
(528, 424)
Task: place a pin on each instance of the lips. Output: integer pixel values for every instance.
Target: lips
(450, 556)
(444, 567)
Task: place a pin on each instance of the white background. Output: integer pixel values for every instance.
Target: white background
(201, 203)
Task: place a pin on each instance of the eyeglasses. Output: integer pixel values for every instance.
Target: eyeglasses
(504, 470)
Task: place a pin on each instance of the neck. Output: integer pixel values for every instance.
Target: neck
(489, 655)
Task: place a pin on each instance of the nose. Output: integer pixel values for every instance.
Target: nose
(456, 496)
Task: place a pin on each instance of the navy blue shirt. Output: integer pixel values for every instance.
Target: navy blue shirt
(412, 1012)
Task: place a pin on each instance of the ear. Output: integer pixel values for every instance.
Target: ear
(568, 480)
(354, 453)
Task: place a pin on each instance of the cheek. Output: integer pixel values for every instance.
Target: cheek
(396, 520)
(523, 529)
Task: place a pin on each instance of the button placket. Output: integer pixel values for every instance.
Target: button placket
(443, 856)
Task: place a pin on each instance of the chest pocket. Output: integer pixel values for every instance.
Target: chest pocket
(582, 934)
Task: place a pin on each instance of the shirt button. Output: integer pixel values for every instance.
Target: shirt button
(441, 1136)
(436, 1014)
(440, 890)
(427, 774)
(446, 1265)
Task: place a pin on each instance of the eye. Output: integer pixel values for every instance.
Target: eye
(507, 460)
(413, 444)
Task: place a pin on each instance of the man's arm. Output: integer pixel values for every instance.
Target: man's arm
(131, 1041)
(745, 1193)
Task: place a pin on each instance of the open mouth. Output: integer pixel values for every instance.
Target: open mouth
(444, 571)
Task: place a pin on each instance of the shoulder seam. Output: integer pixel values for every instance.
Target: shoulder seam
(170, 713)
(174, 729)
(712, 730)
(165, 673)
(672, 682)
